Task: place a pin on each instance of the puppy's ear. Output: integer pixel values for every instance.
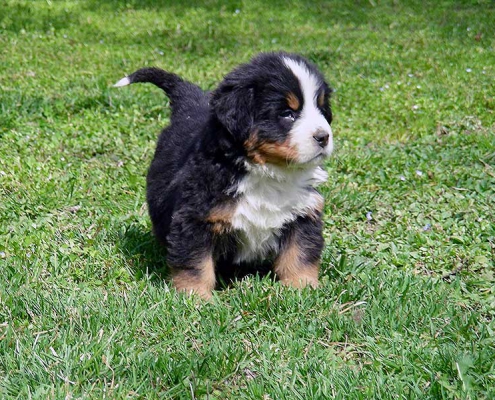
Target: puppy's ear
(233, 104)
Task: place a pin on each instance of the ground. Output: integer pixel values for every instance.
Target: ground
(406, 305)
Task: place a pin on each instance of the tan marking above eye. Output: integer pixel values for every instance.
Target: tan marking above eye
(292, 101)
(321, 99)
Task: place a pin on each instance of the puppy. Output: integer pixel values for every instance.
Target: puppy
(232, 181)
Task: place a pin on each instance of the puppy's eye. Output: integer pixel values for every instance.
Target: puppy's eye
(288, 114)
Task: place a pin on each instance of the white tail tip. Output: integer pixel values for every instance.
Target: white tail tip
(123, 82)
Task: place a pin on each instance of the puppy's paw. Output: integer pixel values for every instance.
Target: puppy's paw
(301, 281)
(194, 283)
(201, 292)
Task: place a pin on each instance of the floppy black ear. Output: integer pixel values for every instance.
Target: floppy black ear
(233, 104)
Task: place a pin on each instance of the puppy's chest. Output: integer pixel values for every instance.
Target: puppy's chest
(264, 205)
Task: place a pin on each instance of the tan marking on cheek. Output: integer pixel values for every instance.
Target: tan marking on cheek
(200, 282)
(262, 151)
(321, 99)
(293, 102)
(251, 146)
(292, 271)
(220, 217)
(278, 153)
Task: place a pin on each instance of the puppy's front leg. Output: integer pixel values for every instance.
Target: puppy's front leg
(190, 258)
(297, 264)
(198, 280)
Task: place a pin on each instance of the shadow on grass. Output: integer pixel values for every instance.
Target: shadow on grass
(31, 16)
(146, 256)
(314, 6)
(20, 16)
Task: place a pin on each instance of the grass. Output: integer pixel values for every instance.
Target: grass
(407, 304)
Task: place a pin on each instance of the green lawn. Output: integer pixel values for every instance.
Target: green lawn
(407, 302)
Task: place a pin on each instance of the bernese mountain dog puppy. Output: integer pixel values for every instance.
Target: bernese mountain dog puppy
(232, 182)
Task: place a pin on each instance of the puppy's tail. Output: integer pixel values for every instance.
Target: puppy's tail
(178, 90)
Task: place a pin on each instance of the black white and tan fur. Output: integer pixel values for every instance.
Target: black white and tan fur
(232, 181)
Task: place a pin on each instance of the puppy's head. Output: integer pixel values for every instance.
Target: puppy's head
(277, 107)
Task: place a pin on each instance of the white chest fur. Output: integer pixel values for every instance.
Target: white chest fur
(269, 197)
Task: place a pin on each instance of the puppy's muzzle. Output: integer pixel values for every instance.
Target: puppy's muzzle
(321, 138)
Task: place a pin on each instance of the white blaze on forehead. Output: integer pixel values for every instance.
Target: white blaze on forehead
(311, 119)
(308, 82)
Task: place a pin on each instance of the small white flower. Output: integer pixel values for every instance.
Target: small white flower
(85, 356)
(468, 70)
(402, 178)
(410, 75)
(2, 173)
(418, 87)
(237, 11)
(415, 107)
(2, 254)
(74, 209)
(419, 173)
(369, 216)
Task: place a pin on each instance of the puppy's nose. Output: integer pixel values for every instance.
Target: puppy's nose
(321, 138)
